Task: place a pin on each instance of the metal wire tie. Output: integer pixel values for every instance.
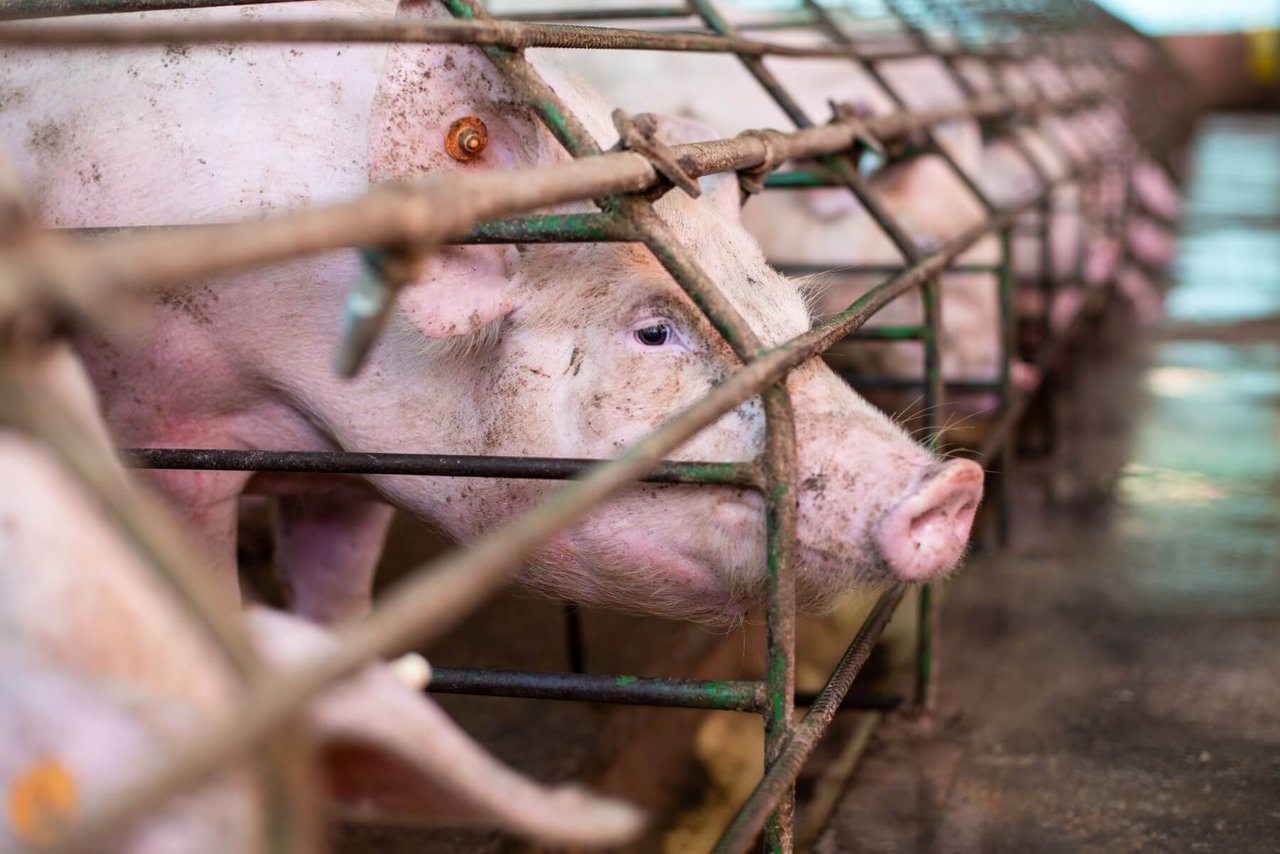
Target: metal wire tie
(639, 133)
(752, 180)
(853, 116)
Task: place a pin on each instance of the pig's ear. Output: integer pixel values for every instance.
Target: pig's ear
(721, 190)
(392, 753)
(446, 108)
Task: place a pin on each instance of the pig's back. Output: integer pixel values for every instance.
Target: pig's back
(154, 135)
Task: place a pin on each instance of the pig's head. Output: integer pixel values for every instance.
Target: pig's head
(576, 350)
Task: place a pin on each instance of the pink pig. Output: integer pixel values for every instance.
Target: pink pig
(102, 675)
(567, 350)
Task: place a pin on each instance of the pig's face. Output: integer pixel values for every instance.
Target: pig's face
(577, 350)
(600, 347)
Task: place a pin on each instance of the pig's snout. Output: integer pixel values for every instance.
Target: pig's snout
(924, 534)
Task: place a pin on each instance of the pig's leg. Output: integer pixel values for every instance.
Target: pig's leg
(327, 548)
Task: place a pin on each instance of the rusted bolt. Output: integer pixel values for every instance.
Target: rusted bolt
(466, 138)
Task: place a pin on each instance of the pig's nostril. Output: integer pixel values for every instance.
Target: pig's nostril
(924, 535)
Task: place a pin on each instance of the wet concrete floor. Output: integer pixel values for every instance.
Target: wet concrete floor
(1112, 681)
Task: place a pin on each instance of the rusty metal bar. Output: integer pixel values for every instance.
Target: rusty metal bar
(421, 213)
(588, 13)
(723, 695)
(777, 780)
(18, 10)
(490, 33)
(549, 228)
(746, 475)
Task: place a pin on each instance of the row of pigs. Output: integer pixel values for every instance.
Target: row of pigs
(546, 350)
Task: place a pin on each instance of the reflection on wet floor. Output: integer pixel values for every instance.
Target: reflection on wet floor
(1228, 265)
(1206, 458)
(1113, 682)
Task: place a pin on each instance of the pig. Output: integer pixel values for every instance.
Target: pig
(1089, 223)
(102, 676)
(558, 350)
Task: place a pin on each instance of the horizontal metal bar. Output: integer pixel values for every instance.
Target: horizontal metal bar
(595, 14)
(777, 781)
(513, 34)
(887, 333)
(427, 212)
(554, 228)
(730, 695)
(792, 268)
(895, 384)
(491, 33)
(801, 179)
(535, 228)
(435, 465)
(723, 695)
(16, 10)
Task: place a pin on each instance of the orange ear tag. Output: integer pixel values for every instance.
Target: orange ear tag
(42, 802)
(466, 139)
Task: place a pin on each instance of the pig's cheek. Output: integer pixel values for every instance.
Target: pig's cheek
(473, 506)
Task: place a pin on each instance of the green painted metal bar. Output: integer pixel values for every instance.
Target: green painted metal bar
(745, 695)
(536, 228)
(554, 228)
(800, 179)
(934, 399)
(727, 695)
(430, 465)
(609, 13)
(889, 333)
(1008, 352)
(815, 269)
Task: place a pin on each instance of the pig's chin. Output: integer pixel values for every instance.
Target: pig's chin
(609, 563)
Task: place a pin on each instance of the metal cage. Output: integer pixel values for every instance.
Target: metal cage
(502, 207)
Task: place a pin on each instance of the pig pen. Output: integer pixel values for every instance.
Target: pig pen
(88, 275)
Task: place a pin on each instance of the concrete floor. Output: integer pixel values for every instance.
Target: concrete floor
(1112, 682)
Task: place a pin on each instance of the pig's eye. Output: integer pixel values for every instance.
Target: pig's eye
(655, 335)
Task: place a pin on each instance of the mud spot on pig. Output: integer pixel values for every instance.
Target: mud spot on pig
(191, 303)
(174, 54)
(814, 484)
(46, 137)
(575, 361)
(12, 97)
(91, 175)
